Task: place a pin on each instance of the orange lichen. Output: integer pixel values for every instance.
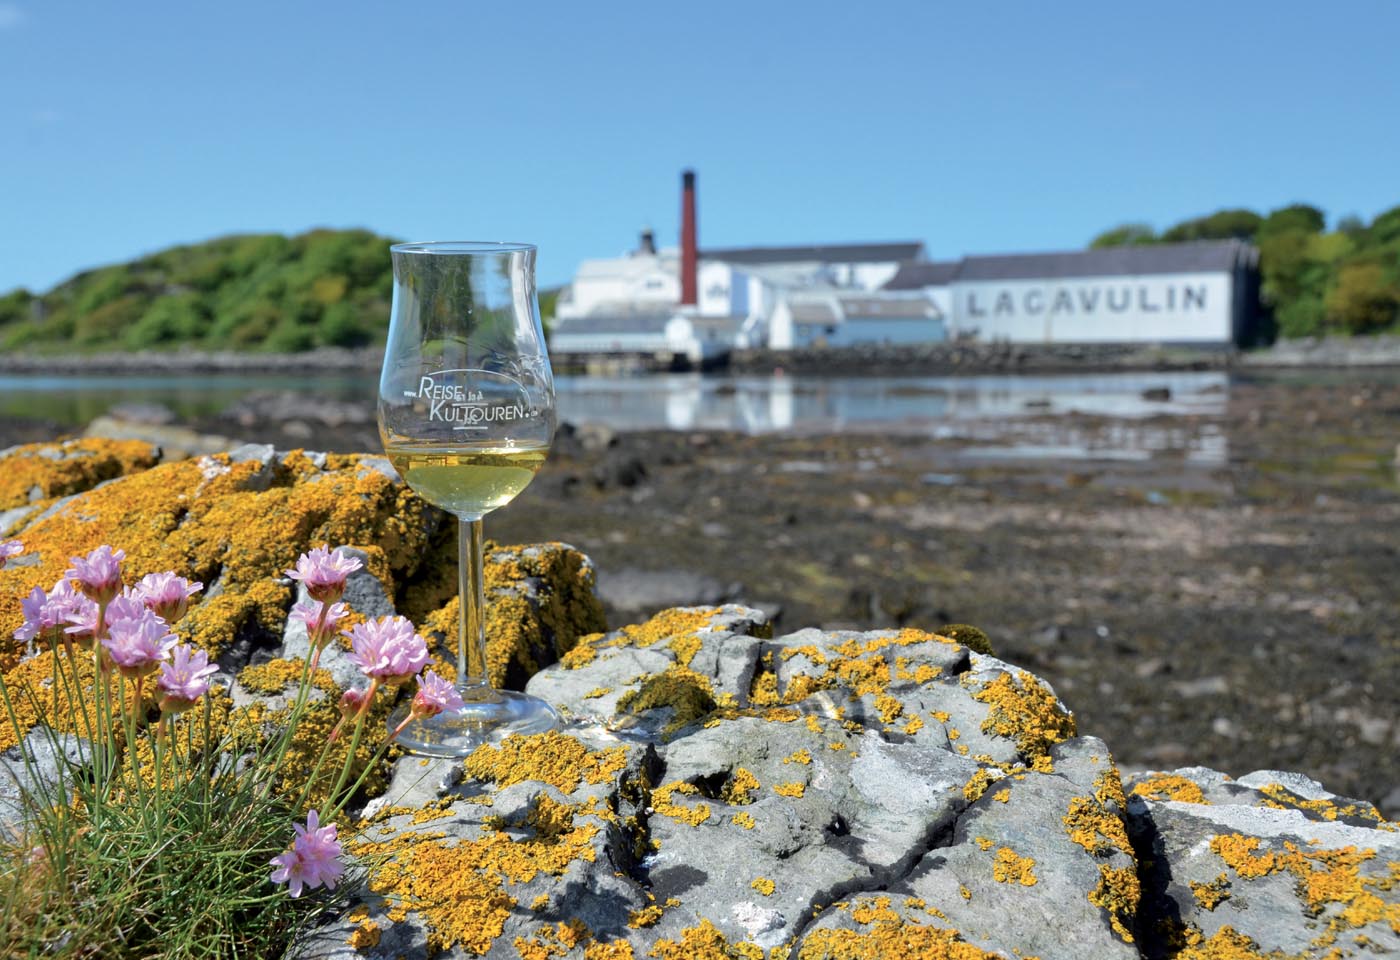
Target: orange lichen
(40, 471)
(704, 942)
(888, 707)
(554, 758)
(612, 950)
(976, 785)
(888, 935)
(1213, 894)
(645, 917)
(459, 890)
(365, 936)
(1280, 797)
(689, 696)
(740, 788)
(1007, 867)
(1023, 710)
(1167, 786)
(1118, 894)
(662, 803)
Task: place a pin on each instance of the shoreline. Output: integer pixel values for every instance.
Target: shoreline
(935, 359)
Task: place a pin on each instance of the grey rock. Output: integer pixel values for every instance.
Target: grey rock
(646, 591)
(786, 789)
(38, 770)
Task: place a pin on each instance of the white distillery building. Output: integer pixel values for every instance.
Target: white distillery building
(631, 304)
(1203, 294)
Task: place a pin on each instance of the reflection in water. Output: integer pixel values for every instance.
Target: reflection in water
(999, 415)
(1004, 416)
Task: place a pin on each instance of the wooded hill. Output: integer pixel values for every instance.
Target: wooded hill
(1315, 281)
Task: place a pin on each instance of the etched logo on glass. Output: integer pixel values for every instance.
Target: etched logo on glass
(471, 399)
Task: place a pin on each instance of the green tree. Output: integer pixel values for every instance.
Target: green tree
(1125, 235)
(1221, 225)
(1364, 299)
(1294, 217)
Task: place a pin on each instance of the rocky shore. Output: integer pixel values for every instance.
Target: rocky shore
(1226, 598)
(722, 788)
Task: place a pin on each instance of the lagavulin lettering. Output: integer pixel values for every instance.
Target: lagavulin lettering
(1117, 298)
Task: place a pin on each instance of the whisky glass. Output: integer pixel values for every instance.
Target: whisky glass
(466, 414)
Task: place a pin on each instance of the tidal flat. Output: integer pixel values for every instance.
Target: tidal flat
(1217, 587)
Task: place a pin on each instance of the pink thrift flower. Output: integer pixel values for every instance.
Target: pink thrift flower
(434, 696)
(82, 613)
(137, 646)
(32, 607)
(323, 572)
(352, 701)
(313, 860)
(184, 679)
(387, 649)
(99, 574)
(8, 549)
(309, 613)
(166, 595)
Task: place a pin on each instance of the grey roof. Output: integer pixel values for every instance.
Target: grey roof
(813, 311)
(917, 275)
(609, 323)
(894, 308)
(1202, 256)
(821, 253)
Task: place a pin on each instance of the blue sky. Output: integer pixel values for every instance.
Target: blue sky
(975, 128)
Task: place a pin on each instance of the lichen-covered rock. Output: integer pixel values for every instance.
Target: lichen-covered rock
(1270, 864)
(894, 794)
(237, 522)
(35, 472)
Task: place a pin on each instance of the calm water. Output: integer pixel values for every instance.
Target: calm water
(754, 404)
(995, 416)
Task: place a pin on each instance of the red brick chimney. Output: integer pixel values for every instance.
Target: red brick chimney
(690, 254)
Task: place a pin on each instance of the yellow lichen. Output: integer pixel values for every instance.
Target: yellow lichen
(704, 942)
(1026, 712)
(597, 692)
(613, 950)
(764, 886)
(1167, 786)
(743, 819)
(40, 471)
(1002, 796)
(914, 725)
(1118, 894)
(794, 789)
(888, 935)
(740, 788)
(365, 936)
(983, 843)
(888, 707)
(1007, 867)
(663, 803)
(688, 694)
(554, 758)
(976, 785)
(459, 890)
(645, 917)
(1213, 894)
(803, 756)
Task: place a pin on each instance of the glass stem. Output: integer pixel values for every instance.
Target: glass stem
(472, 683)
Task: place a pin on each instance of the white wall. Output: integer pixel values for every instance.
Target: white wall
(1188, 307)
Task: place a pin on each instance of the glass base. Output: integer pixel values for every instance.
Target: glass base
(495, 714)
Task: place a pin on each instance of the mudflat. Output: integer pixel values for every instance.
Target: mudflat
(1218, 589)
